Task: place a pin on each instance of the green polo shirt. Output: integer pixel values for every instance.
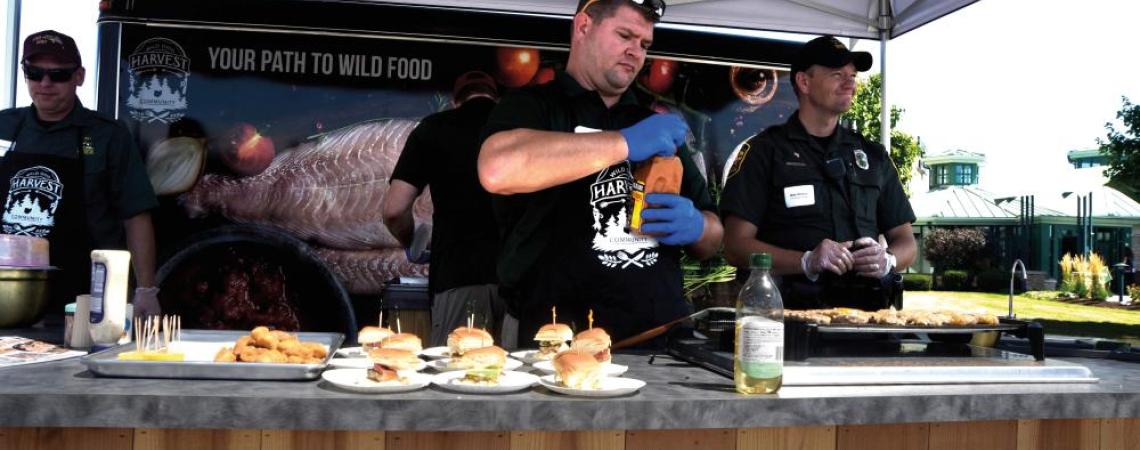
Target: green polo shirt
(116, 183)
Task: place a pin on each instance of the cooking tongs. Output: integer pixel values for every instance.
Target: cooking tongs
(661, 329)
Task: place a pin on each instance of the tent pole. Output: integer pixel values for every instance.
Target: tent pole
(11, 41)
(885, 110)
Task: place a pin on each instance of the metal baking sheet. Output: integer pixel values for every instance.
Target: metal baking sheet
(944, 329)
(200, 347)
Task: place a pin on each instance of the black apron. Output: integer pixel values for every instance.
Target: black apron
(44, 198)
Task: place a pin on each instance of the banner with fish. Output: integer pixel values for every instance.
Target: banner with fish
(297, 134)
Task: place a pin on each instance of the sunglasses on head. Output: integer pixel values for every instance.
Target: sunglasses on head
(33, 73)
(657, 7)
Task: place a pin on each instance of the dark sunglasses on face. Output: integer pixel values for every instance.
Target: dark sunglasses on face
(33, 73)
(657, 7)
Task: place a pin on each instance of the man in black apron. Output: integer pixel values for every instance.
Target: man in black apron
(73, 176)
(817, 196)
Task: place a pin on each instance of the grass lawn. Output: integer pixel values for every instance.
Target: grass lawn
(1058, 317)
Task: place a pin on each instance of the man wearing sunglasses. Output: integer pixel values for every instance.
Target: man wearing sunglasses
(559, 157)
(73, 176)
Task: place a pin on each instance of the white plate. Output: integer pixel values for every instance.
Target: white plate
(436, 352)
(610, 387)
(509, 381)
(352, 352)
(527, 356)
(608, 369)
(363, 363)
(356, 380)
(444, 365)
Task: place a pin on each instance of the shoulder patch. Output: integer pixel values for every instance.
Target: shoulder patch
(738, 162)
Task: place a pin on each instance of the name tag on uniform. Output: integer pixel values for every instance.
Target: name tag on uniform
(799, 196)
(5, 146)
(582, 129)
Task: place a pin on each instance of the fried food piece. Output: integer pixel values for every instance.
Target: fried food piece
(887, 317)
(854, 318)
(241, 344)
(292, 347)
(316, 350)
(226, 354)
(809, 316)
(960, 319)
(263, 338)
(251, 354)
(283, 336)
(986, 319)
(272, 356)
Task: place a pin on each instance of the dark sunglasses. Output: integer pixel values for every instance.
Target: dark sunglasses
(657, 7)
(33, 73)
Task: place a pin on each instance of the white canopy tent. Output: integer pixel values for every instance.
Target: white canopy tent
(881, 20)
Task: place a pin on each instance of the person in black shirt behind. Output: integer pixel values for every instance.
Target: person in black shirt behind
(441, 152)
(817, 195)
(560, 158)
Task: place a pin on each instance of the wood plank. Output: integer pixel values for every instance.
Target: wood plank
(568, 440)
(902, 436)
(18, 438)
(1058, 434)
(322, 440)
(415, 321)
(483, 440)
(85, 438)
(722, 439)
(1119, 433)
(989, 435)
(791, 438)
(182, 439)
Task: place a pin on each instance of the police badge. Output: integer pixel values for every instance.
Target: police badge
(861, 159)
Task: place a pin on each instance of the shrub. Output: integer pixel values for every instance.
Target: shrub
(954, 248)
(954, 280)
(993, 280)
(1086, 278)
(917, 282)
(1134, 292)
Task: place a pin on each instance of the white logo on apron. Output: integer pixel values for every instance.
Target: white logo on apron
(609, 195)
(34, 194)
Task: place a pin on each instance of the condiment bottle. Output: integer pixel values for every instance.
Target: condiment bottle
(758, 360)
(109, 270)
(660, 174)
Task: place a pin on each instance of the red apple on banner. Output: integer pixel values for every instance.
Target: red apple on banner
(544, 75)
(246, 151)
(660, 76)
(516, 65)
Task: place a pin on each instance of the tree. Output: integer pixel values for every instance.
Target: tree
(1123, 150)
(954, 248)
(866, 118)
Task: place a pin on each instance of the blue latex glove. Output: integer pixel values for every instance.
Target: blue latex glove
(657, 135)
(672, 219)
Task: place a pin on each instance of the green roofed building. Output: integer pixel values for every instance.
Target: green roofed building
(1038, 225)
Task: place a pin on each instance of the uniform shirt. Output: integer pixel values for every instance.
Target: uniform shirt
(567, 245)
(116, 184)
(442, 153)
(781, 182)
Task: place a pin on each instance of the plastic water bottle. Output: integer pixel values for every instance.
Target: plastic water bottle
(759, 355)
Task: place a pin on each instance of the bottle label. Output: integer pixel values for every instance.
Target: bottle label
(98, 283)
(761, 347)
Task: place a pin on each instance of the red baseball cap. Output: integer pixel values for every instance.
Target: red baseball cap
(52, 43)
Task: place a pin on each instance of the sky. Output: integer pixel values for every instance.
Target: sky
(1022, 81)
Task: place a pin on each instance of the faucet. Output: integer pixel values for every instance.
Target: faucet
(1012, 274)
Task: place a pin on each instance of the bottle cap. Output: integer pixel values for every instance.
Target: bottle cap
(760, 261)
(69, 308)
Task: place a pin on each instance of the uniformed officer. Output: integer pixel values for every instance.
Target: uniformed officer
(73, 176)
(559, 156)
(817, 196)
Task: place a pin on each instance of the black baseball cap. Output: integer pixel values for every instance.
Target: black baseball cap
(827, 51)
(52, 43)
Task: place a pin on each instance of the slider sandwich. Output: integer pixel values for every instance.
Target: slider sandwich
(387, 363)
(483, 365)
(577, 369)
(405, 341)
(463, 339)
(594, 341)
(552, 339)
(370, 337)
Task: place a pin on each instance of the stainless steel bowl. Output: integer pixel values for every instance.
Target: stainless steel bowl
(23, 296)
